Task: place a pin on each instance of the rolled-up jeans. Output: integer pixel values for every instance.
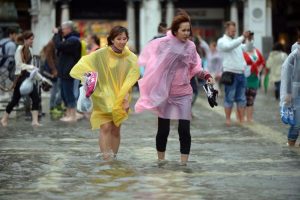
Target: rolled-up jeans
(236, 92)
(67, 92)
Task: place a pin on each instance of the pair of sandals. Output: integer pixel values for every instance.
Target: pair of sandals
(211, 94)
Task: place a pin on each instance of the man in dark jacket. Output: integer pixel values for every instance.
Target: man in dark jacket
(68, 46)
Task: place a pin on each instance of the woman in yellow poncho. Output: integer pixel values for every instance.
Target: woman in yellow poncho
(117, 72)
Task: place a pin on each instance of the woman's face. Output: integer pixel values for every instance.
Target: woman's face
(120, 41)
(28, 42)
(184, 31)
(89, 40)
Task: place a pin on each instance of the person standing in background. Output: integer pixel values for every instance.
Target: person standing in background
(93, 43)
(274, 63)
(49, 70)
(162, 30)
(256, 63)
(214, 64)
(68, 46)
(233, 67)
(23, 59)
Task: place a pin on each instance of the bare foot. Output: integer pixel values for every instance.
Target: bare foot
(291, 143)
(79, 116)
(228, 122)
(4, 122)
(68, 119)
(34, 124)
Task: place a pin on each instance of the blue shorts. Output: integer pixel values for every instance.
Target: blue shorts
(236, 92)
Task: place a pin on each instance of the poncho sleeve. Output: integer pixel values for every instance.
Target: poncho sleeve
(83, 65)
(119, 114)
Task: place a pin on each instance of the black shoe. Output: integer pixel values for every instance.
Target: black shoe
(211, 94)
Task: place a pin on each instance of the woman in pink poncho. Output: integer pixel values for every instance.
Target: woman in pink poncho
(170, 62)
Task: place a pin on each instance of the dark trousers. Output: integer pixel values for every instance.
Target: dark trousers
(35, 98)
(277, 90)
(163, 133)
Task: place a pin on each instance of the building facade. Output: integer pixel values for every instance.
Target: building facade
(271, 20)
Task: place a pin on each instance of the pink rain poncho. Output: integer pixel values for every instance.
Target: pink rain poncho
(165, 88)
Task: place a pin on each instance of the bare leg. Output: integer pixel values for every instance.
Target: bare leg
(227, 114)
(160, 155)
(241, 113)
(249, 111)
(71, 115)
(105, 140)
(184, 158)
(35, 118)
(67, 115)
(115, 138)
(4, 119)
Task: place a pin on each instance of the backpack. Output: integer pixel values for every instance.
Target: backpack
(3, 57)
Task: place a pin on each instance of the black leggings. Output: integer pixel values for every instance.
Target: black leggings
(34, 95)
(163, 133)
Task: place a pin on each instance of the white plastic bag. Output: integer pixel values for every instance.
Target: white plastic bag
(84, 104)
(27, 85)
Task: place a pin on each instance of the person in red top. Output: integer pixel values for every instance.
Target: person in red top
(255, 63)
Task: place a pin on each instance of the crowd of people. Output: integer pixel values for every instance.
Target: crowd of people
(174, 63)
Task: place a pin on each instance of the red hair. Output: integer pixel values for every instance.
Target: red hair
(181, 17)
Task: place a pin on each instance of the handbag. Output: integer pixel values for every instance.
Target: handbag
(227, 78)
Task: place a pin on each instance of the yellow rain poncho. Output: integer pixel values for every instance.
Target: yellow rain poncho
(117, 73)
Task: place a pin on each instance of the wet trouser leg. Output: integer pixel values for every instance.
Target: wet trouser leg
(184, 136)
(162, 134)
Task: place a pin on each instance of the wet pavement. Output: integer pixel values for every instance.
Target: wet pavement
(59, 161)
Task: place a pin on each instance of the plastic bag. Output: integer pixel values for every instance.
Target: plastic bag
(27, 85)
(84, 104)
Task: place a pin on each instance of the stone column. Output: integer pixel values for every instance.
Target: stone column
(246, 15)
(131, 24)
(257, 20)
(65, 12)
(142, 25)
(150, 17)
(170, 12)
(42, 23)
(269, 31)
(234, 16)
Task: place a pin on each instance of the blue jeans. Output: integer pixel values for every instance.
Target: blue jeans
(236, 92)
(76, 88)
(293, 133)
(55, 98)
(294, 130)
(67, 93)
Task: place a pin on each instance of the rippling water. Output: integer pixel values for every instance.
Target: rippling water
(59, 161)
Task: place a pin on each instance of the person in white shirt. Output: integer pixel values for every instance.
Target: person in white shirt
(23, 59)
(233, 71)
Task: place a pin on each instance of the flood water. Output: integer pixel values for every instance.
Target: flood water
(59, 161)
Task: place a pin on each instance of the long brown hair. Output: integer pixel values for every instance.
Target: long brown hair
(48, 54)
(26, 55)
(181, 17)
(115, 31)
